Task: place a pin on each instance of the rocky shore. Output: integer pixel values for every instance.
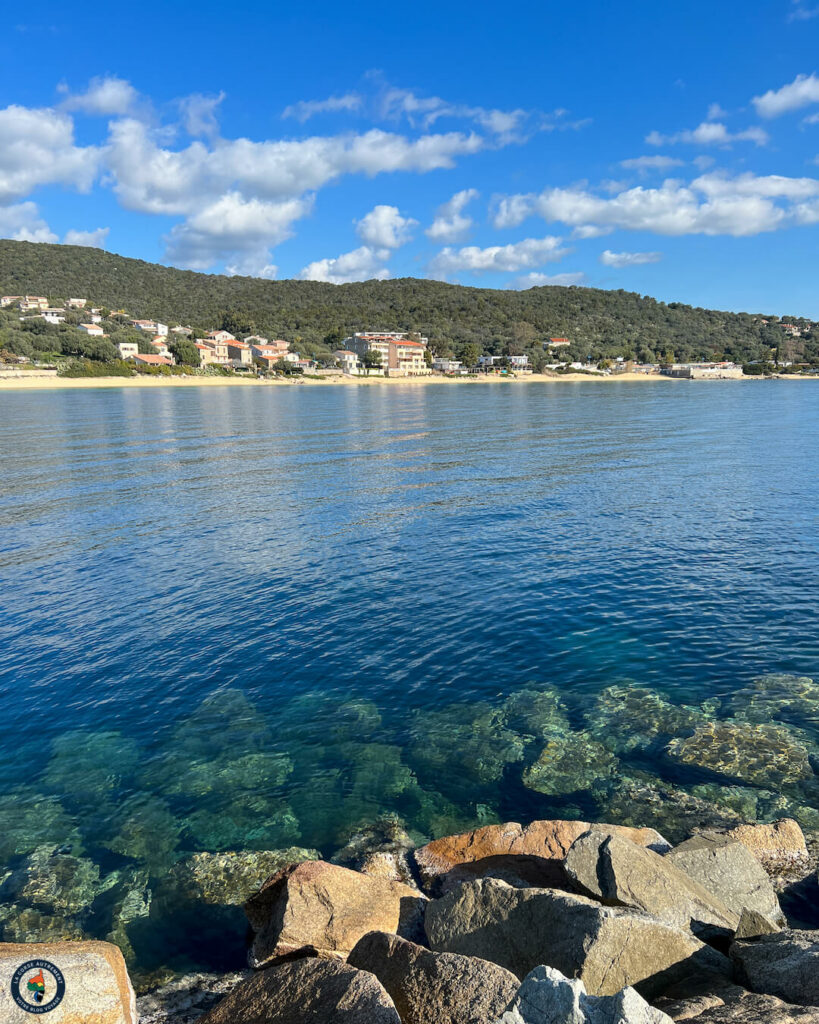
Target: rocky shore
(558, 922)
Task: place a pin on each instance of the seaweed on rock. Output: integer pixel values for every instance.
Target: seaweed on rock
(568, 764)
(628, 717)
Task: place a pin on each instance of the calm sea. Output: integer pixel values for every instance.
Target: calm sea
(241, 618)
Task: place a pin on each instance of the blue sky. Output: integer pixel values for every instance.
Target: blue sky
(667, 149)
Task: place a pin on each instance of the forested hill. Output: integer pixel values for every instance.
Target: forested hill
(600, 323)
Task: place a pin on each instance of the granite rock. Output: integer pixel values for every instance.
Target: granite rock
(785, 965)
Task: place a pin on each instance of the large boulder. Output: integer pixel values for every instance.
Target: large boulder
(747, 1009)
(619, 873)
(186, 998)
(434, 988)
(728, 870)
(785, 965)
(607, 948)
(96, 983)
(779, 847)
(323, 909)
(547, 997)
(306, 991)
(531, 855)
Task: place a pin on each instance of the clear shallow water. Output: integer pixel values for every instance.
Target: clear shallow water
(249, 619)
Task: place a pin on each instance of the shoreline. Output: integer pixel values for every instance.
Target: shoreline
(34, 382)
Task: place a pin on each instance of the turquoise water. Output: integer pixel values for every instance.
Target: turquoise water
(250, 619)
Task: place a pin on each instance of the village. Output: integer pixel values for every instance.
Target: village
(394, 354)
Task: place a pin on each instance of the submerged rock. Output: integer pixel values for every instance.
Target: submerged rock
(55, 883)
(29, 820)
(548, 997)
(381, 848)
(306, 992)
(761, 754)
(185, 999)
(148, 832)
(786, 698)
(465, 741)
(628, 717)
(85, 764)
(228, 878)
(434, 988)
(26, 924)
(321, 909)
(568, 764)
(605, 947)
(726, 868)
(539, 714)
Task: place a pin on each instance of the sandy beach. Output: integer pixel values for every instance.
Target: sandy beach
(33, 381)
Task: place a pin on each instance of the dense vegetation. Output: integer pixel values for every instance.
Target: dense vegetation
(314, 316)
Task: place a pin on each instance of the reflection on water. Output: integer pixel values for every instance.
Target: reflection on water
(244, 626)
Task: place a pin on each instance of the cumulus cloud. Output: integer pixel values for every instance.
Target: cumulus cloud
(37, 148)
(105, 96)
(450, 224)
(385, 228)
(93, 239)
(199, 114)
(234, 227)
(591, 231)
(505, 125)
(801, 92)
(530, 252)
(628, 259)
(23, 223)
(362, 264)
(709, 133)
(538, 280)
(712, 204)
(305, 109)
(651, 163)
(715, 113)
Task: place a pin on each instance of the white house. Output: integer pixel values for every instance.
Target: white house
(348, 361)
(127, 349)
(218, 336)
(74, 303)
(160, 347)
(92, 329)
(447, 365)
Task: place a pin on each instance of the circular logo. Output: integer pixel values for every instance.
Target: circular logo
(38, 986)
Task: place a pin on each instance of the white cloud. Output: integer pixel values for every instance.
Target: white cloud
(233, 227)
(538, 280)
(104, 96)
(23, 223)
(37, 148)
(715, 113)
(799, 12)
(305, 109)
(505, 125)
(531, 252)
(801, 92)
(591, 231)
(199, 114)
(362, 264)
(710, 133)
(94, 239)
(450, 224)
(651, 163)
(628, 259)
(385, 228)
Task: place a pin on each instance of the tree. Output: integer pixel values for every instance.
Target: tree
(335, 338)
(184, 351)
(427, 357)
(470, 353)
(371, 360)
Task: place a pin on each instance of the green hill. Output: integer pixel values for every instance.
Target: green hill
(317, 315)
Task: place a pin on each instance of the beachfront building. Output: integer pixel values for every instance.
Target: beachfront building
(160, 346)
(151, 359)
(127, 349)
(499, 362)
(348, 361)
(401, 356)
(447, 365)
(239, 353)
(271, 352)
(213, 353)
(703, 371)
(92, 330)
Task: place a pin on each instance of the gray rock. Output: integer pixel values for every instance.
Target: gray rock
(728, 870)
(185, 999)
(619, 873)
(785, 965)
(748, 1009)
(547, 997)
(434, 988)
(607, 948)
(752, 924)
(306, 991)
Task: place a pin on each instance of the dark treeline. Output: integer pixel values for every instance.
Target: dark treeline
(458, 320)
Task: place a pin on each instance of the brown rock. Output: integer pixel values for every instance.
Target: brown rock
(785, 965)
(306, 991)
(779, 847)
(97, 987)
(489, 850)
(607, 948)
(748, 1009)
(435, 988)
(752, 924)
(323, 909)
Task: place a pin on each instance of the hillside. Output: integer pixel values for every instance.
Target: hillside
(600, 323)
